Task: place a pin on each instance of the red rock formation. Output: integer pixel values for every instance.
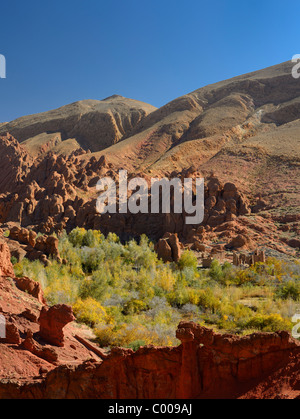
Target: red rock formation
(239, 242)
(6, 268)
(164, 251)
(23, 236)
(12, 334)
(52, 321)
(168, 248)
(43, 352)
(23, 354)
(15, 164)
(57, 193)
(205, 365)
(32, 287)
(32, 246)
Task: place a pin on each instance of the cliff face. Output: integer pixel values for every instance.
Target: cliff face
(206, 365)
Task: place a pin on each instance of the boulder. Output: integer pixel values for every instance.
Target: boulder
(12, 335)
(164, 251)
(31, 287)
(175, 245)
(169, 248)
(6, 267)
(238, 242)
(295, 243)
(52, 321)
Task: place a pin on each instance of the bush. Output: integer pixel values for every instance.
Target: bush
(14, 260)
(76, 236)
(290, 290)
(215, 271)
(123, 335)
(134, 307)
(136, 345)
(165, 278)
(96, 286)
(188, 260)
(92, 238)
(268, 323)
(60, 286)
(91, 258)
(89, 311)
(141, 255)
(207, 301)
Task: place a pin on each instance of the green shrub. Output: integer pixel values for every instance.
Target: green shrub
(76, 236)
(207, 301)
(134, 307)
(268, 323)
(215, 271)
(91, 258)
(188, 260)
(136, 345)
(289, 290)
(14, 260)
(95, 286)
(89, 311)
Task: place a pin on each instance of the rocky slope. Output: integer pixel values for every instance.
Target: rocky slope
(35, 342)
(46, 355)
(92, 124)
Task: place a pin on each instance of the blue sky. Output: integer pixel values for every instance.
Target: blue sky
(59, 52)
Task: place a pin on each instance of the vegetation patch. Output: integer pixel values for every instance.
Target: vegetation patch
(132, 299)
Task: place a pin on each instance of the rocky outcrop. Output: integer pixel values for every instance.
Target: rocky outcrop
(34, 246)
(223, 203)
(41, 351)
(205, 365)
(169, 248)
(15, 165)
(58, 192)
(239, 242)
(295, 243)
(31, 287)
(12, 335)
(52, 321)
(164, 251)
(6, 268)
(23, 236)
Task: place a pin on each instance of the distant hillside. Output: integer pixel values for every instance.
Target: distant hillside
(246, 130)
(91, 124)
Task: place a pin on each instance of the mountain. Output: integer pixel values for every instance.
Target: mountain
(91, 124)
(241, 135)
(237, 128)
